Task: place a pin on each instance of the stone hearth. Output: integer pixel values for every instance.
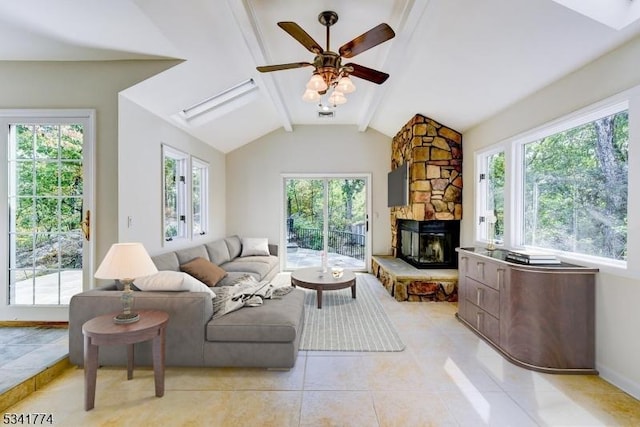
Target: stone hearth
(404, 282)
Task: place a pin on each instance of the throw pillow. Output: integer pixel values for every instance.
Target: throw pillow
(171, 281)
(204, 270)
(161, 281)
(254, 246)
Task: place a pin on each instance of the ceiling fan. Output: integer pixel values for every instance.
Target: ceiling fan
(329, 71)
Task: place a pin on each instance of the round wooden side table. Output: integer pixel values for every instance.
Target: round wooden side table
(102, 330)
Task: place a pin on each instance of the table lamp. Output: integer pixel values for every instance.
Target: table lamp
(125, 262)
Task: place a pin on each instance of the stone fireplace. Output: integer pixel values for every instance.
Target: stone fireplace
(426, 232)
(434, 155)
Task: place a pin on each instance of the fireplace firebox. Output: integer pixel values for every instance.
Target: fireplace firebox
(429, 244)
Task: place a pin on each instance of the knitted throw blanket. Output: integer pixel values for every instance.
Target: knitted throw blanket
(246, 292)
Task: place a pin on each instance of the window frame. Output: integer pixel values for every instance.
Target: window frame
(182, 208)
(482, 209)
(514, 178)
(203, 168)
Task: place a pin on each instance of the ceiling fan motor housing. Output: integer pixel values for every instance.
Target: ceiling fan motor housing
(328, 65)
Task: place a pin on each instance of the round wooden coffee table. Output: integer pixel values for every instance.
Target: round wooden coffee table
(314, 278)
(102, 330)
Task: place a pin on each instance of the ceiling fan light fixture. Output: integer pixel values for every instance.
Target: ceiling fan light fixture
(345, 85)
(317, 83)
(310, 96)
(337, 98)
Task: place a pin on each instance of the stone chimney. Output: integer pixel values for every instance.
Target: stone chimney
(434, 155)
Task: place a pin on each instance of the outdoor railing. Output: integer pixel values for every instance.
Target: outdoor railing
(339, 242)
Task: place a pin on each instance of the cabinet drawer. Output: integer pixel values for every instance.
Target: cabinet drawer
(483, 296)
(485, 323)
(486, 272)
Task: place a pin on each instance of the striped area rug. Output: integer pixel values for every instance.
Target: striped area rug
(347, 324)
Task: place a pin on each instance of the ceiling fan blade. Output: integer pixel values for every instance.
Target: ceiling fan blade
(370, 74)
(269, 68)
(371, 38)
(301, 35)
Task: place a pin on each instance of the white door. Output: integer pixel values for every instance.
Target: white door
(46, 222)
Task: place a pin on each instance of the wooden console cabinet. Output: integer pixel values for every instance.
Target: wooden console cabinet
(541, 317)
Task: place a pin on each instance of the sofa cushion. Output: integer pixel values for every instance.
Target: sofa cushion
(232, 277)
(189, 254)
(254, 246)
(204, 270)
(168, 261)
(218, 252)
(235, 246)
(259, 268)
(272, 261)
(274, 321)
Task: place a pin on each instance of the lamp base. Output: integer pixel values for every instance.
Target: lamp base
(123, 318)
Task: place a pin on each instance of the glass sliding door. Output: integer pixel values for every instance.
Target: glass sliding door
(326, 215)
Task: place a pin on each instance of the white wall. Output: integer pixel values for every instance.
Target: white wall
(617, 295)
(254, 182)
(141, 136)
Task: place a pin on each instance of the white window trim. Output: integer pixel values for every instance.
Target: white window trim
(629, 99)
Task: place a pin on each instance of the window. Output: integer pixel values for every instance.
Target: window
(199, 196)
(562, 187)
(185, 195)
(491, 196)
(174, 191)
(575, 188)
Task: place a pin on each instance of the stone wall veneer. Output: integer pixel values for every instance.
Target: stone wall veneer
(434, 154)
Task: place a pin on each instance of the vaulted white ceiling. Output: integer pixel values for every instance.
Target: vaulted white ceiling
(457, 61)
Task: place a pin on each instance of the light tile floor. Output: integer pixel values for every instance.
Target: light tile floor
(445, 377)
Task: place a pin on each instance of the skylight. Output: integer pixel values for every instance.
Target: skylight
(613, 13)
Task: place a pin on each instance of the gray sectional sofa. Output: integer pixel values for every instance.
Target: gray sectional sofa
(266, 336)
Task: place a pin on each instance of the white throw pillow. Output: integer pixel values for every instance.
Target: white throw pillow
(167, 280)
(192, 284)
(255, 246)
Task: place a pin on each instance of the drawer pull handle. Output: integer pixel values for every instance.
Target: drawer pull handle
(478, 296)
(480, 268)
(479, 320)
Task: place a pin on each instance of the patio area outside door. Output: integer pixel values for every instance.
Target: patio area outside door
(326, 215)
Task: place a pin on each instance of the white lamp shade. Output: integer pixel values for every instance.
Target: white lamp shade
(337, 98)
(345, 85)
(310, 96)
(317, 83)
(126, 261)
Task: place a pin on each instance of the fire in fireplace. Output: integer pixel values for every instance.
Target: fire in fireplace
(429, 244)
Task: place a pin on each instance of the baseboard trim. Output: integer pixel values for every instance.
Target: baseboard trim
(619, 381)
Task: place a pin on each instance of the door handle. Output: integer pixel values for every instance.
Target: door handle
(86, 225)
